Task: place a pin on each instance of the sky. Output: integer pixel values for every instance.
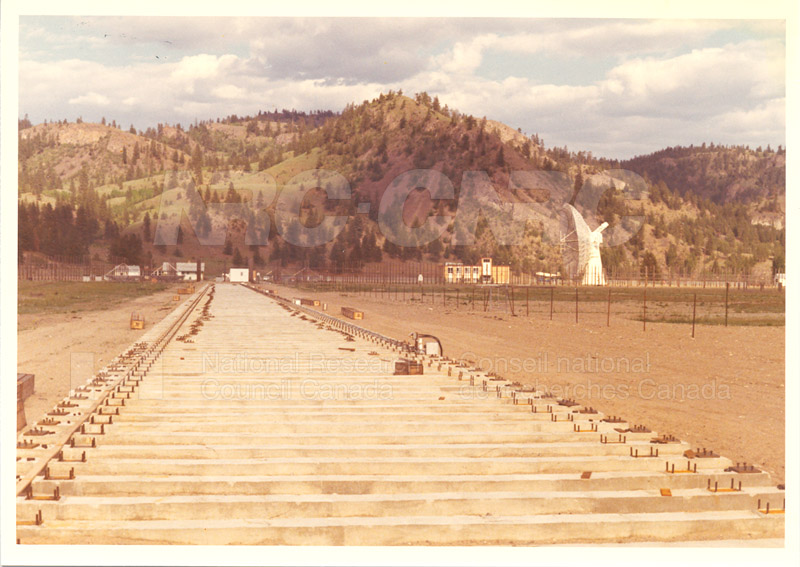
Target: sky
(614, 87)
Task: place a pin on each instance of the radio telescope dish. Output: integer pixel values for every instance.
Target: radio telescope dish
(581, 249)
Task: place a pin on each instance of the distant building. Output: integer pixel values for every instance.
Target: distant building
(240, 275)
(188, 270)
(124, 272)
(166, 270)
(486, 272)
(548, 278)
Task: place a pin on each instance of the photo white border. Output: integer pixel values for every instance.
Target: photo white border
(10, 553)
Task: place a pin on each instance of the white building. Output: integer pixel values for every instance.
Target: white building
(241, 275)
(188, 270)
(124, 272)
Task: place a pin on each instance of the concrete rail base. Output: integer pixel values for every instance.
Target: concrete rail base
(240, 420)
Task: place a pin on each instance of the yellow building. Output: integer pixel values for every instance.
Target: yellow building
(501, 274)
(485, 272)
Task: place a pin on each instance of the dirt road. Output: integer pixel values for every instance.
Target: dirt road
(48, 343)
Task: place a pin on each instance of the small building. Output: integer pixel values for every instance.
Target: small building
(240, 275)
(547, 278)
(456, 272)
(124, 272)
(486, 272)
(166, 270)
(187, 271)
(501, 275)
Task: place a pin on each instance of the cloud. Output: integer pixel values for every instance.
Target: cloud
(652, 83)
(203, 66)
(581, 38)
(228, 92)
(90, 98)
(639, 105)
(348, 49)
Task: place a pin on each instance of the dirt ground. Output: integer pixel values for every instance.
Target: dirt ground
(48, 342)
(722, 390)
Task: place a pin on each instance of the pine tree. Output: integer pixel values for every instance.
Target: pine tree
(146, 226)
(232, 196)
(337, 255)
(435, 249)
(237, 258)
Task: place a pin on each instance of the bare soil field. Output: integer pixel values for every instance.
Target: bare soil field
(722, 390)
(92, 323)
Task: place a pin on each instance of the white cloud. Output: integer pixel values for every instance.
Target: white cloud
(761, 123)
(203, 66)
(90, 98)
(582, 38)
(228, 92)
(657, 91)
(465, 57)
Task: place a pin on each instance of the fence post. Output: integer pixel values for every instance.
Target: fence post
(527, 306)
(727, 289)
(694, 312)
(644, 310)
(576, 304)
(551, 303)
(608, 315)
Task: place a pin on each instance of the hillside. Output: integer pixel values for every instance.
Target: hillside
(697, 203)
(717, 173)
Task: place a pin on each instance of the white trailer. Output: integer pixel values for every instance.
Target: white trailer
(240, 275)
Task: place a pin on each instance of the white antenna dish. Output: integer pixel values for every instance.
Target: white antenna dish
(584, 245)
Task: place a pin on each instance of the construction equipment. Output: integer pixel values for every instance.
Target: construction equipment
(352, 313)
(187, 290)
(407, 367)
(427, 344)
(137, 321)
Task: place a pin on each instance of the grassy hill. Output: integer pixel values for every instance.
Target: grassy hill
(717, 173)
(703, 208)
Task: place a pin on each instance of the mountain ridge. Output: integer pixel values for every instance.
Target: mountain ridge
(118, 176)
